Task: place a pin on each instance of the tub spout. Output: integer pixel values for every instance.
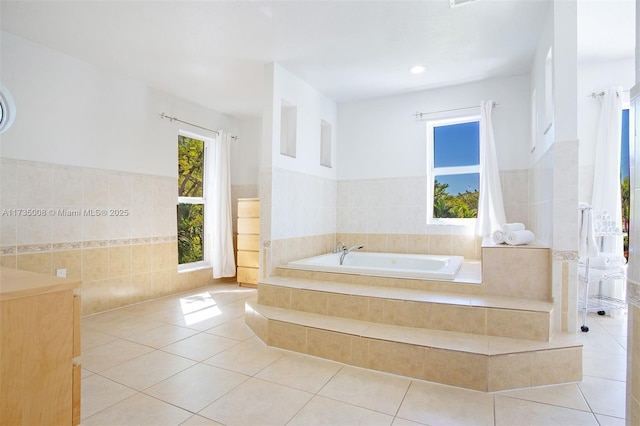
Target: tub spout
(340, 247)
(346, 251)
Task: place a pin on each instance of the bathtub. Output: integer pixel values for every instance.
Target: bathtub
(417, 266)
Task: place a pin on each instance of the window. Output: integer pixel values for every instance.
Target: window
(624, 179)
(453, 167)
(7, 109)
(191, 199)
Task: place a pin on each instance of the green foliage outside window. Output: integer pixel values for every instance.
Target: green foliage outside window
(445, 205)
(190, 215)
(190, 167)
(624, 190)
(190, 233)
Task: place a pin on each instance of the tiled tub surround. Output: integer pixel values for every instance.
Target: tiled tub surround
(463, 332)
(286, 250)
(120, 259)
(517, 271)
(437, 337)
(472, 314)
(398, 206)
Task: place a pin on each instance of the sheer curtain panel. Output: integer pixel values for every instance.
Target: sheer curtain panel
(606, 174)
(491, 215)
(219, 221)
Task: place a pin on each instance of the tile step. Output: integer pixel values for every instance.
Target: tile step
(484, 363)
(475, 314)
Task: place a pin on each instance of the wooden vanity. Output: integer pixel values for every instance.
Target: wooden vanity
(39, 339)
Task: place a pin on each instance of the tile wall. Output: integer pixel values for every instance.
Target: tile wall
(386, 215)
(115, 231)
(541, 198)
(298, 216)
(399, 205)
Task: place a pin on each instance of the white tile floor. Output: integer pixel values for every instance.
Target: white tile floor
(190, 359)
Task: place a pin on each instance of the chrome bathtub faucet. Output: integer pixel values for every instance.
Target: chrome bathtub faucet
(346, 251)
(339, 247)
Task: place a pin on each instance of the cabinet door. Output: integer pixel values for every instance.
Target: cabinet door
(247, 275)
(248, 258)
(249, 242)
(248, 225)
(248, 208)
(36, 372)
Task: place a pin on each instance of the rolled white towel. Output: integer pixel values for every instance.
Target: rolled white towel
(509, 227)
(607, 261)
(516, 238)
(498, 237)
(598, 262)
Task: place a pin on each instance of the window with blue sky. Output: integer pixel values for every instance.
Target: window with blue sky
(454, 167)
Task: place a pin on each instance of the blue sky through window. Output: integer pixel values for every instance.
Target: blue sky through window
(457, 145)
(624, 151)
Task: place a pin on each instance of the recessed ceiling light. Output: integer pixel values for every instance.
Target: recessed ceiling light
(417, 69)
(456, 3)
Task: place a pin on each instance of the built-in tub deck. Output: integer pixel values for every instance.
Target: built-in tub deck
(491, 327)
(483, 342)
(467, 281)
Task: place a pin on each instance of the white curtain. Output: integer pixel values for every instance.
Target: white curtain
(218, 213)
(491, 215)
(606, 173)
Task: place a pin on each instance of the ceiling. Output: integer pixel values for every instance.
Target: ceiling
(213, 52)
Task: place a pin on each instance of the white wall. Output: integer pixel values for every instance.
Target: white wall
(71, 113)
(542, 140)
(312, 107)
(380, 138)
(245, 153)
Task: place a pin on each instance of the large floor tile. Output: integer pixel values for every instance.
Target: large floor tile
(609, 421)
(398, 421)
(604, 396)
(147, 370)
(200, 346)
(300, 372)
(162, 336)
(601, 342)
(235, 329)
(605, 366)
(196, 387)
(140, 410)
(204, 319)
(104, 321)
(511, 411)
(257, 402)
(92, 339)
(568, 396)
(246, 358)
(134, 325)
(196, 420)
(99, 393)
(112, 354)
(216, 354)
(435, 404)
(614, 325)
(325, 411)
(364, 388)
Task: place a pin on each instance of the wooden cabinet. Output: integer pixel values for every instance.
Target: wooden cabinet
(39, 337)
(248, 241)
